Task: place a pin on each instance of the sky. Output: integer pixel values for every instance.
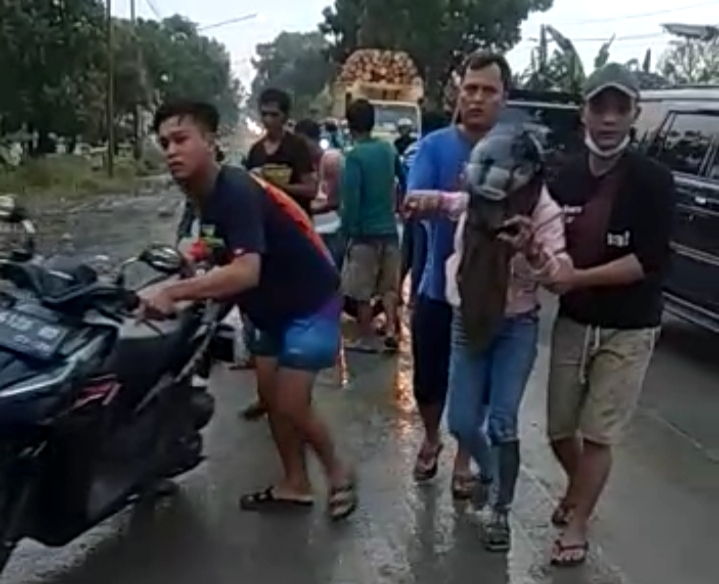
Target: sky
(587, 24)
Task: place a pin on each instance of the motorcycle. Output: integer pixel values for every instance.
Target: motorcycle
(96, 407)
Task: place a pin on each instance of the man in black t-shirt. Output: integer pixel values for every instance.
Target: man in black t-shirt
(279, 273)
(284, 159)
(281, 157)
(618, 206)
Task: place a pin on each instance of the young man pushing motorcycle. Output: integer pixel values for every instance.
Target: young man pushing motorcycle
(278, 271)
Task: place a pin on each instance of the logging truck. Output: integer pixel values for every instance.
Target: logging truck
(389, 80)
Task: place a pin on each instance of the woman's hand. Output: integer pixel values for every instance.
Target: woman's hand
(518, 232)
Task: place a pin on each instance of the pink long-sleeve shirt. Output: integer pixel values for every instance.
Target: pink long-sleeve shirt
(525, 278)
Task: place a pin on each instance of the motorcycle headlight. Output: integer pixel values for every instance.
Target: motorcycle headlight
(324, 144)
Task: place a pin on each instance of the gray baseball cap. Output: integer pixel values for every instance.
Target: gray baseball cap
(612, 75)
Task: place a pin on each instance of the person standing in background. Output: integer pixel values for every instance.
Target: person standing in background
(283, 159)
(280, 156)
(405, 129)
(369, 224)
(327, 165)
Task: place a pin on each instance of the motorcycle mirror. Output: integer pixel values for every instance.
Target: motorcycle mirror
(163, 258)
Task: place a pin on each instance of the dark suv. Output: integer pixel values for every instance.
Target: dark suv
(553, 117)
(680, 127)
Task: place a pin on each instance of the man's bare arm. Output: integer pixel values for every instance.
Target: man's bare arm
(241, 274)
(305, 189)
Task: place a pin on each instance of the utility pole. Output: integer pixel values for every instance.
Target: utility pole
(137, 139)
(110, 92)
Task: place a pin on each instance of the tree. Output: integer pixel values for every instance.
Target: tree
(562, 70)
(438, 37)
(54, 62)
(296, 62)
(181, 63)
(49, 52)
(691, 61)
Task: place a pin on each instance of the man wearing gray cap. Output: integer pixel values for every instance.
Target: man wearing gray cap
(618, 206)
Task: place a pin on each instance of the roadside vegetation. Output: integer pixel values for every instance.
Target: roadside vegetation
(70, 176)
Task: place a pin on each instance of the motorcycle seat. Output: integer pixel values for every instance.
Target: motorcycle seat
(145, 351)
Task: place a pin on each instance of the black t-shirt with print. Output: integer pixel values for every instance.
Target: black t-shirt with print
(607, 222)
(285, 166)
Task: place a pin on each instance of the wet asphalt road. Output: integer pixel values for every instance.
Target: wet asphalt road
(657, 524)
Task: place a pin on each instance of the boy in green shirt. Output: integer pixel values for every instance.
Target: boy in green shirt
(367, 209)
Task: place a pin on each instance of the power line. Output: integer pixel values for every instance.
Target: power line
(585, 21)
(229, 21)
(153, 7)
(604, 39)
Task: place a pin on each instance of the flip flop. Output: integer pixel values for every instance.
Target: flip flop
(569, 555)
(363, 346)
(254, 411)
(464, 486)
(267, 500)
(342, 500)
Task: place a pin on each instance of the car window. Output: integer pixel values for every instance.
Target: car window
(685, 140)
(557, 128)
(649, 122)
(713, 166)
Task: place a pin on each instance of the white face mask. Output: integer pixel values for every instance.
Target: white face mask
(611, 153)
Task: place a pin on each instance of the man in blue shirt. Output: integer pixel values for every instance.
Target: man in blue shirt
(278, 271)
(438, 166)
(414, 249)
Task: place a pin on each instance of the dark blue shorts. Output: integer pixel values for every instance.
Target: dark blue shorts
(308, 343)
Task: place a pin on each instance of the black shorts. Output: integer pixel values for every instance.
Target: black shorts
(431, 326)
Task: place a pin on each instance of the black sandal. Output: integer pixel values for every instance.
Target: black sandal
(569, 555)
(267, 501)
(342, 500)
(254, 412)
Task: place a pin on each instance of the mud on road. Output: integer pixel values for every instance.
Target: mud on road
(117, 226)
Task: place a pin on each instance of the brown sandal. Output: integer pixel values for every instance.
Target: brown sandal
(566, 555)
(464, 486)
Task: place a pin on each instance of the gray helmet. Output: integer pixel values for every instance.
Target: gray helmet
(504, 161)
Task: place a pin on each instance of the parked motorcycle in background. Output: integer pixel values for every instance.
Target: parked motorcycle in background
(96, 407)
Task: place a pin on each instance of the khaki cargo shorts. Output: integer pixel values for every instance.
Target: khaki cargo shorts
(595, 379)
(371, 269)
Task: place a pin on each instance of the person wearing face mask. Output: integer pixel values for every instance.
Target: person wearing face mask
(618, 206)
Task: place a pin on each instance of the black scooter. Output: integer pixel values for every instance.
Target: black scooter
(96, 408)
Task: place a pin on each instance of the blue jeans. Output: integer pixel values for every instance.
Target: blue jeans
(486, 389)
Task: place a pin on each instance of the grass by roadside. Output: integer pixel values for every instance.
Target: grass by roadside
(68, 176)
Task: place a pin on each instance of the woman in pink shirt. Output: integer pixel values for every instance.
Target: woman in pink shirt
(486, 385)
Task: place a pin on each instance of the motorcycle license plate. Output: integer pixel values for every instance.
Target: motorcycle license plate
(30, 335)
